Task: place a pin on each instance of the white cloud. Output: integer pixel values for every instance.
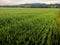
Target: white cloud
(10, 2)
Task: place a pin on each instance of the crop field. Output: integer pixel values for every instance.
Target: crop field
(28, 26)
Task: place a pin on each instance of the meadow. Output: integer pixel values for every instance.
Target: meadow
(28, 26)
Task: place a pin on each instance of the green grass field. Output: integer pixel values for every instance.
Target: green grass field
(28, 26)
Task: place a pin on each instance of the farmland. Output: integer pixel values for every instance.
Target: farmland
(28, 26)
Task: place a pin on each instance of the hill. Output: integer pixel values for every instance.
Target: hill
(34, 5)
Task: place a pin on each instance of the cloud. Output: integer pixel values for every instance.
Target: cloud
(14, 2)
(4, 2)
(51, 1)
(9, 2)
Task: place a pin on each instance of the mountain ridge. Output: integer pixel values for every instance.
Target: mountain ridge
(36, 5)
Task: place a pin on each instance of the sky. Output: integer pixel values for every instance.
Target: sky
(16, 2)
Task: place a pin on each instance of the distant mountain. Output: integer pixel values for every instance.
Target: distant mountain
(35, 5)
(39, 5)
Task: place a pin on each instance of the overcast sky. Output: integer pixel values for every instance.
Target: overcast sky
(14, 2)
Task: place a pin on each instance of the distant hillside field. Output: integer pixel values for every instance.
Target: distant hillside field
(29, 26)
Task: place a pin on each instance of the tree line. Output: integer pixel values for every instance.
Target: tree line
(34, 5)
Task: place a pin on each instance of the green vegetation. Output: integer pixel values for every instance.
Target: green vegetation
(58, 28)
(28, 26)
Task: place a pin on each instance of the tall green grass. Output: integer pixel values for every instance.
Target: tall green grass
(58, 27)
(28, 26)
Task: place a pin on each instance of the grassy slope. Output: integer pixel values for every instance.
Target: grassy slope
(28, 26)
